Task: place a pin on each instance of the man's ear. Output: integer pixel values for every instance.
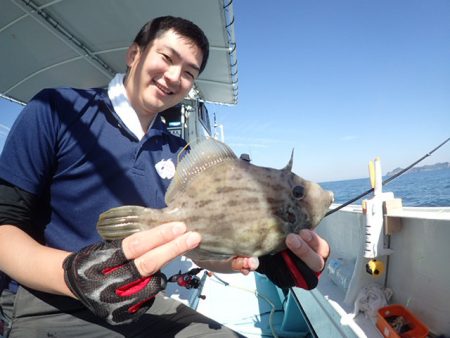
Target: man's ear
(133, 53)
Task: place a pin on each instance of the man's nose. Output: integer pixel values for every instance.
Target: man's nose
(173, 74)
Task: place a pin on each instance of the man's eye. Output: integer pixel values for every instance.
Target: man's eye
(190, 75)
(166, 57)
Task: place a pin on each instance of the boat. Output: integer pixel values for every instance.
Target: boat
(382, 255)
(405, 256)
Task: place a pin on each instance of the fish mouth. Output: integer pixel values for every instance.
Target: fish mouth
(331, 196)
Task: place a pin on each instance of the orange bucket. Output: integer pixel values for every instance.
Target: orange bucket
(396, 321)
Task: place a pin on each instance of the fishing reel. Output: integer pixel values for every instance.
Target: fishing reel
(188, 280)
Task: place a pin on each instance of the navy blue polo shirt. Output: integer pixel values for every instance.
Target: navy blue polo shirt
(70, 148)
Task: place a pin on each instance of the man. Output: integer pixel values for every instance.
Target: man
(73, 154)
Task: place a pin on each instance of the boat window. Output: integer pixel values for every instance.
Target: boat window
(172, 118)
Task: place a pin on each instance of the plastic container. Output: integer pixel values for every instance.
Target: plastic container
(340, 272)
(396, 321)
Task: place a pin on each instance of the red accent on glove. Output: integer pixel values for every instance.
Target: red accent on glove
(133, 287)
(135, 308)
(108, 270)
(296, 274)
(292, 267)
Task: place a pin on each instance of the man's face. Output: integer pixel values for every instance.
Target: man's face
(162, 74)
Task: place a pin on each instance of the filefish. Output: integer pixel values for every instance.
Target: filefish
(239, 209)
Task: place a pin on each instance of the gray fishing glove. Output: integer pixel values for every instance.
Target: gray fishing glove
(109, 284)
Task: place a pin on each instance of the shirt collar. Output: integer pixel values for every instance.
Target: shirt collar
(119, 99)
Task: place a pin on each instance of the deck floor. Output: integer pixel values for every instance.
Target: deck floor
(232, 301)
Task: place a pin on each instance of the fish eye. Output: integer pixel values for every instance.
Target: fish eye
(298, 192)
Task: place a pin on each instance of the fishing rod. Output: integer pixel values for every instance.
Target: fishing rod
(401, 172)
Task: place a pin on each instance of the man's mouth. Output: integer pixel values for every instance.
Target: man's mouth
(164, 89)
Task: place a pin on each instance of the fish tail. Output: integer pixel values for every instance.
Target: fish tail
(118, 223)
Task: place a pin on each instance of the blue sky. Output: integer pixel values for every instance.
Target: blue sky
(8, 113)
(340, 81)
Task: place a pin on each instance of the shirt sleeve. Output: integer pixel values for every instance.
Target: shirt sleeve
(28, 157)
(26, 166)
(19, 208)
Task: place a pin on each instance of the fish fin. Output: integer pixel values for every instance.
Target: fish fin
(205, 255)
(288, 167)
(118, 223)
(203, 155)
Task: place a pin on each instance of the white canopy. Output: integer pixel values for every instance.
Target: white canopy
(82, 43)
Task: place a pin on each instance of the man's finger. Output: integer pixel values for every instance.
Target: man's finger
(315, 242)
(303, 251)
(153, 260)
(244, 264)
(141, 242)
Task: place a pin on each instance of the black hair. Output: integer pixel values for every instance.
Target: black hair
(158, 26)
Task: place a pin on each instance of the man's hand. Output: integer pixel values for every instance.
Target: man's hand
(312, 249)
(117, 280)
(308, 252)
(154, 248)
(230, 265)
(299, 265)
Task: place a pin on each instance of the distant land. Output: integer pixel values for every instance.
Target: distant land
(429, 167)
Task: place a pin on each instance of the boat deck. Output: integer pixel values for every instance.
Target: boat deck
(330, 315)
(245, 303)
(252, 306)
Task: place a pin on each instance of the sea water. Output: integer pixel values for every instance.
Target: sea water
(419, 189)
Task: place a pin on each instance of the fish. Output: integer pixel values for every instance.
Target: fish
(240, 209)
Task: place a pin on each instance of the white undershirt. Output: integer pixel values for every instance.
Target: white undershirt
(118, 96)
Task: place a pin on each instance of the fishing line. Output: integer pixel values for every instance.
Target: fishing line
(387, 180)
(257, 294)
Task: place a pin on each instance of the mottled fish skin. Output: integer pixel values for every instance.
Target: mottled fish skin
(238, 208)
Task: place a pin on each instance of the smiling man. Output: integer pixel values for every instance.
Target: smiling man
(162, 73)
(75, 153)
